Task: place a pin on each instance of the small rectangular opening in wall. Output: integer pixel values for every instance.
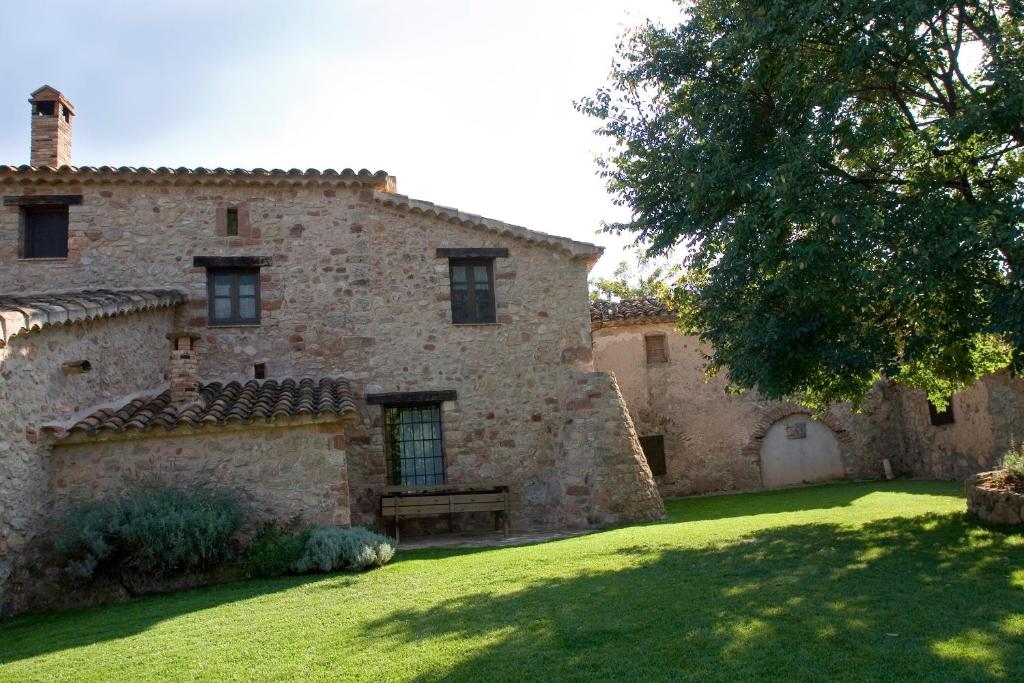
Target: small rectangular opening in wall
(941, 417)
(46, 108)
(232, 222)
(259, 370)
(655, 346)
(654, 451)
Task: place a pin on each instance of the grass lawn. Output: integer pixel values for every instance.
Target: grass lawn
(859, 582)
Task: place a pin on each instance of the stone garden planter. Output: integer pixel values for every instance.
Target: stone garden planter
(992, 502)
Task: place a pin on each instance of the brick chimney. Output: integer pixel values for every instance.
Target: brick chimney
(51, 128)
(184, 368)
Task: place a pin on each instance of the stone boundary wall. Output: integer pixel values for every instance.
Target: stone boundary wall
(36, 391)
(993, 505)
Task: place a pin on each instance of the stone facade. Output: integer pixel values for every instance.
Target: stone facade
(354, 283)
(715, 441)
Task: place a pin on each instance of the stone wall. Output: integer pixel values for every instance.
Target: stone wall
(278, 472)
(713, 439)
(986, 418)
(127, 353)
(355, 289)
(605, 481)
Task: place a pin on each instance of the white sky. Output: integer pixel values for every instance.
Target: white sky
(469, 104)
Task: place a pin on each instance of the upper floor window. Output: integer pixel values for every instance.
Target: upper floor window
(45, 232)
(231, 221)
(472, 282)
(655, 346)
(234, 296)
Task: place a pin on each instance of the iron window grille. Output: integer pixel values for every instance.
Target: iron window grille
(472, 282)
(234, 296)
(45, 232)
(413, 444)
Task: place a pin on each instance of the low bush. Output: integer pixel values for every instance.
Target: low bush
(274, 550)
(1013, 462)
(152, 532)
(331, 549)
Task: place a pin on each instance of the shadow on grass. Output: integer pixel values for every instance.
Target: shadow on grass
(925, 598)
(797, 499)
(37, 634)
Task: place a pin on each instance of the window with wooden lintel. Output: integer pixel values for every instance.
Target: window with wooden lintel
(472, 286)
(413, 444)
(45, 232)
(654, 452)
(655, 348)
(234, 296)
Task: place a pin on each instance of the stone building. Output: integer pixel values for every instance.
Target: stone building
(699, 438)
(304, 337)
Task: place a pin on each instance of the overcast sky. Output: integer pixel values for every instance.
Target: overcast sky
(467, 103)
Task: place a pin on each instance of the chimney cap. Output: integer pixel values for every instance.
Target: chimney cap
(47, 93)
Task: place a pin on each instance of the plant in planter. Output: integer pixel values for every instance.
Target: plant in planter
(998, 496)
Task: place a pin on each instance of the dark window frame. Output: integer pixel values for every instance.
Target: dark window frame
(393, 464)
(941, 417)
(32, 246)
(231, 221)
(471, 315)
(235, 318)
(653, 447)
(664, 348)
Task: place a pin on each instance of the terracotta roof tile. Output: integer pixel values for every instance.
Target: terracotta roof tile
(199, 174)
(226, 402)
(631, 311)
(21, 313)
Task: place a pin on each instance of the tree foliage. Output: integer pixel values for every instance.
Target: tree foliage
(641, 282)
(845, 179)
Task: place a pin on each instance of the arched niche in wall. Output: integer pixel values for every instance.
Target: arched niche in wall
(793, 447)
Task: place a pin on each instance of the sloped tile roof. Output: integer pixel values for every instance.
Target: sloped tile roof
(21, 313)
(631, 311)
(199, 174)
(590, 251)
(255, 401)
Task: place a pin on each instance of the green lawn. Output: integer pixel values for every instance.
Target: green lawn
(859, 582)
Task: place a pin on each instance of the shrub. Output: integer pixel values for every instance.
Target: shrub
(330, 549)
(152, 532)
(1013, 462)
(274, 550)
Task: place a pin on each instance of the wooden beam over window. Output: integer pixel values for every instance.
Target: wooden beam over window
(44, 200)
(472, 252)
(411, 397)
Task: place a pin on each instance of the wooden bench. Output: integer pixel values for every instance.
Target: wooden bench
(418, 500)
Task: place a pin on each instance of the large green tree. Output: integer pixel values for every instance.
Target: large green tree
(845, 178)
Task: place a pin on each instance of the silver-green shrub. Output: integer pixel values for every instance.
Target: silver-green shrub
(151, 532)
(331, 549)
(1013, 462)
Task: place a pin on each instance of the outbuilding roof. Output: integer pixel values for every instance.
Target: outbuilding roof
(222, 403)
(605, 313)
(21, 313)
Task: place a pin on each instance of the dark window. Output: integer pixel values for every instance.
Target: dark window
(46, 232)
(234, 296)
(46, 108)
(941, 417)
(413, 444)
(232, 222)
(654, 451)
(472, 290)
(259, 371)
(655, 345)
